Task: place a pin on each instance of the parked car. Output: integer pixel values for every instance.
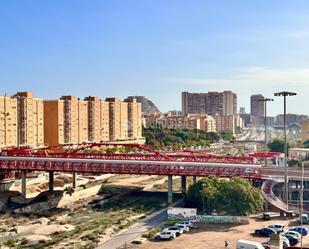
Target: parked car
(165, 235)
(304, 219)
(178, 231)
(139, 241)
(285, 242)
(184, 227)
(302, 230)
(292, 239)
(247, 244)
(187, 223)
(265, 232)
(279, 228)
(294, 233)
(266, 216)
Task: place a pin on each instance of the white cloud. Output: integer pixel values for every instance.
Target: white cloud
(254, 77)
(299, 34)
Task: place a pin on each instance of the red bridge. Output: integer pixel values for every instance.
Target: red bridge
(141, 160)
(129, 159)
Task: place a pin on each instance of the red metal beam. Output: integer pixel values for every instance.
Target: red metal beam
(136, 167)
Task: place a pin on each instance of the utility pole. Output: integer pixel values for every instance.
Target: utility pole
(265, 100)
(286, 190)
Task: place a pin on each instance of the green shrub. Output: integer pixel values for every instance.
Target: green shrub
(151, 233)
(11, 242)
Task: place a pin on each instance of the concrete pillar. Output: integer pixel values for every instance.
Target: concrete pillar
(170, 190)
(194, 179)
(184, 186)
(74, 180)
(51, 181)
(266, 206)
(23, 184)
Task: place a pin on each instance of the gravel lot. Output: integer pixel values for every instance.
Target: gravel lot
(212, 236)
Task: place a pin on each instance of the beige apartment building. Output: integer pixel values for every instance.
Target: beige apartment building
(82, 117)
(94, 120)
(8, 121)
(304, 131)
(134, 118)
(208, 123)
(228, 123)
(71, 120)
(190, 121)
(66, 120)
(30, 119)
(54, 122)
(21, 120)
(211, 103)
(104, 121)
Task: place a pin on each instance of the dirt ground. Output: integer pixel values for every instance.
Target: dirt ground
(213, 236)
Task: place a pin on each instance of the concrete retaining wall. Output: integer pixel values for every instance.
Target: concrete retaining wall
(213, 219)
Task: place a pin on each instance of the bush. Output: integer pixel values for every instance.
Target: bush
(11, 242)
(151, 233)
(24, 241)
(234, 197)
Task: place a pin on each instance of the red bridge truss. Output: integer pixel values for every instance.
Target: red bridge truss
(128, 159)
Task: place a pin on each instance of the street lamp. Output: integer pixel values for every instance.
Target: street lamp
(302, 201)
(286, 190)
(265, 100)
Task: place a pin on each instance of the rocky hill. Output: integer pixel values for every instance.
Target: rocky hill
(147, 105)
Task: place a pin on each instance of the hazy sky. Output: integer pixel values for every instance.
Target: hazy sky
(156, 48)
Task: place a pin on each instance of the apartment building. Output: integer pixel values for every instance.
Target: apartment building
(190, 121)
(65, 120)
(104, 121)
(21, 120)
(257, 106)
(208, 123)
(134, 118)
(54, 122)
(8, 121)
(70, 118)
(211, 103)
(30, 119)
(82, 117)
(304, 131)
(94, 118)
(228, 123)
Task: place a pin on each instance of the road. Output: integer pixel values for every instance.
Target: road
(136, 230)
(293, 173)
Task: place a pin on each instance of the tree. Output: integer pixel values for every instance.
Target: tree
(277, 146)
(227, 136)
(306, 144)
(235, 196)
(293, 163)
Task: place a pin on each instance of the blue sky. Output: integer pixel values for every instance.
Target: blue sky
(156, 48)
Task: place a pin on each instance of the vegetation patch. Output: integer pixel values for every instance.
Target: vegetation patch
(232, 197)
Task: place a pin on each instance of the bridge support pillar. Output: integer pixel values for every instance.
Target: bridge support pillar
(170, 190)
(184, 187)
(74, 180)
(51, 181)
(194, 179)
(23, 184)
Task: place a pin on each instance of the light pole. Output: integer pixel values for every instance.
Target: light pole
(302, 201)
(265, 100)
(286, 190)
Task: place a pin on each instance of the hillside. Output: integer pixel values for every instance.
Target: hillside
(147, 105)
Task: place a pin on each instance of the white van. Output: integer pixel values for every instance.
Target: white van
(247, 244)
